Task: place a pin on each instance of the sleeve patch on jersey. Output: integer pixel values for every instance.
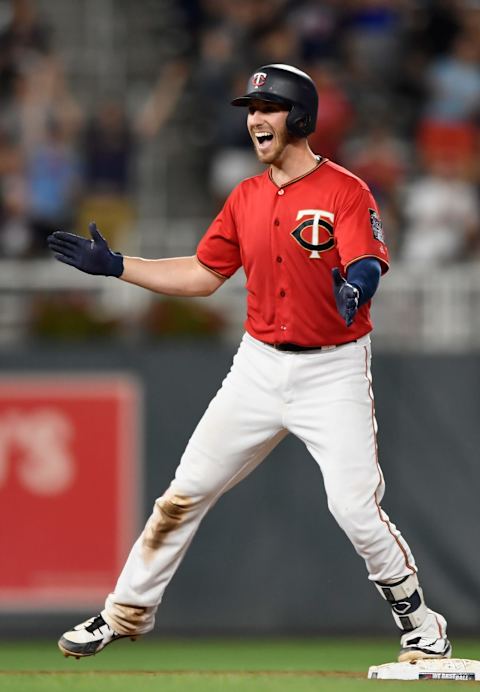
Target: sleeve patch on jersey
(377, 226)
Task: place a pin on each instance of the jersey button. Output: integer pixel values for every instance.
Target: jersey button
(279, 259)
(281, 192)
(277, 222)
(282, 293)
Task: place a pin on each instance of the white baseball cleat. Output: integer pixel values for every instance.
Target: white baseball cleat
(427, 641)
(88, 638)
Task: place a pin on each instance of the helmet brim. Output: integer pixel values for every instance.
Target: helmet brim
(260, 96)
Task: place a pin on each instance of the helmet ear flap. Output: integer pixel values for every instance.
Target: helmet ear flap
(299, 123)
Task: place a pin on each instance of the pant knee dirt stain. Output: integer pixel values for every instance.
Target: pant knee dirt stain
(168, 513)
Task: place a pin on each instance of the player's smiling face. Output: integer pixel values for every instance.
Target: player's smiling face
(266, 124)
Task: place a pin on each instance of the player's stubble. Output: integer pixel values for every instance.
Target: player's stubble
(277, 148)
(276, 152)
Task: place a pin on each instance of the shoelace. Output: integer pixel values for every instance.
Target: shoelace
(96, 624)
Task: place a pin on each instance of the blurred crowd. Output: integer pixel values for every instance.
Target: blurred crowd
(399, 88)
(60, 164)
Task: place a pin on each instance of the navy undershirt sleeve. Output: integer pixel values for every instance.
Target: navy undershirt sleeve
(365, 275)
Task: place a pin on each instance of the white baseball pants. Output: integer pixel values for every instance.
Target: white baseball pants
(324, 398)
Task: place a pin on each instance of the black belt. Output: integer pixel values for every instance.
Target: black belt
(295, 348)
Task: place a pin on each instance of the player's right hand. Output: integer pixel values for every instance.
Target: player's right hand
(90, 256)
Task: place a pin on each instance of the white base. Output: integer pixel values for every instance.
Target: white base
(428, 669)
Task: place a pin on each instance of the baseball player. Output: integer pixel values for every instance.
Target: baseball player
(309, 237)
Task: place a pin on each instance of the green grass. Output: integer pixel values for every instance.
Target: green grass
(320, 665)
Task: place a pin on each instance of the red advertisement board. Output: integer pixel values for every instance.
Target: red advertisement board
(69, 479)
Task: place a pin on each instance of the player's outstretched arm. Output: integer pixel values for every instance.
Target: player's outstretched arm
(181, 276)
(176, 276)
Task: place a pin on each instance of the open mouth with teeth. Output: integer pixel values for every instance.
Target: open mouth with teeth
(263, 139)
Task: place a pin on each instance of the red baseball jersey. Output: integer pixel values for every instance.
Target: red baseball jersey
(288, 239)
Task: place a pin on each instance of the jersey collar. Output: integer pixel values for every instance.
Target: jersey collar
(320, 162)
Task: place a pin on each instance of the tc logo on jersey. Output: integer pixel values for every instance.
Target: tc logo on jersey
(259, 79)
(316, 232)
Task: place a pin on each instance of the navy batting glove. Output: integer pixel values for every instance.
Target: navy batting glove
(346, 297)
(90, 256)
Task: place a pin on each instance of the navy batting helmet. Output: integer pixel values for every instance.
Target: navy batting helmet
(287, 85)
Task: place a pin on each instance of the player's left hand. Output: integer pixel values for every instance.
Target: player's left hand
(346, 297)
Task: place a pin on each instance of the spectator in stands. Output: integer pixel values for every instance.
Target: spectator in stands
(23, 39)
(335, 114)
(381, 157)
(163, 99)
(372, 30)
(433, 26)
(14, 231)
(468, 15)
(40, 95)
(442, 216)
(108, 154)
(316, 25)
(276, 44)
(449, 124)
(250, 16)
(52, 179)
(453, 83)
(40, 120)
